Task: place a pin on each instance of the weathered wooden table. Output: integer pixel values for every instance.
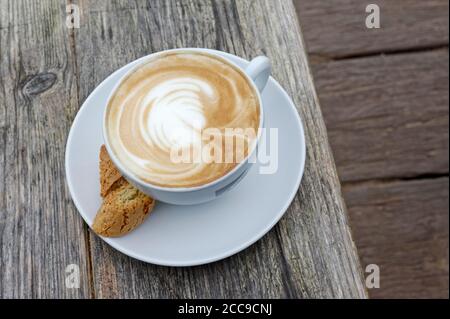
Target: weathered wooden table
(384, 95)
(48, 70)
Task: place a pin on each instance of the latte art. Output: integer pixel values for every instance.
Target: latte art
(177, 115)
(165, 107)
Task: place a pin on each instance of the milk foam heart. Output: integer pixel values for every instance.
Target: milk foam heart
(177, 115)
(167, 104)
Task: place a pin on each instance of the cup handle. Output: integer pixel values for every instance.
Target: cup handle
(259, 71)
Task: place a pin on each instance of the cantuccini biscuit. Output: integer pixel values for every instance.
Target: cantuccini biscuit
(124, 207)
(109, 174)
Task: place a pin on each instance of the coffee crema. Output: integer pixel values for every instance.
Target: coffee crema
(167, 104)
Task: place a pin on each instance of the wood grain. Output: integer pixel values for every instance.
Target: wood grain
(337, 28)
(40, 230)
(310, 253)
(376, 110)
(403, 227)
(387, 116)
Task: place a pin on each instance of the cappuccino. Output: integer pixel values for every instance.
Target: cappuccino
(183, 119)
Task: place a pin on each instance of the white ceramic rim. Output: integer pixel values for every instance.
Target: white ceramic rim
(228, 253)
(141, 61)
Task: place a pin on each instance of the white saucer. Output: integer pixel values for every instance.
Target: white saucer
(200, 234)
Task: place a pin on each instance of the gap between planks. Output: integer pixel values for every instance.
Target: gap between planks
(316, 58)
(87, 235)
(373, 181)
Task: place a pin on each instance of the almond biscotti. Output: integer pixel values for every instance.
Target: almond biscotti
(124, 207)
(109, 174)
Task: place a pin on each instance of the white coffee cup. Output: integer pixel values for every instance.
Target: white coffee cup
(257, 74)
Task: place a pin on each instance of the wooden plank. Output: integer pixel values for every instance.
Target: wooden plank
(40, 231)
(310, 253)
(337, 28)
(387, 116)
(403, 226)
(376, 110)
